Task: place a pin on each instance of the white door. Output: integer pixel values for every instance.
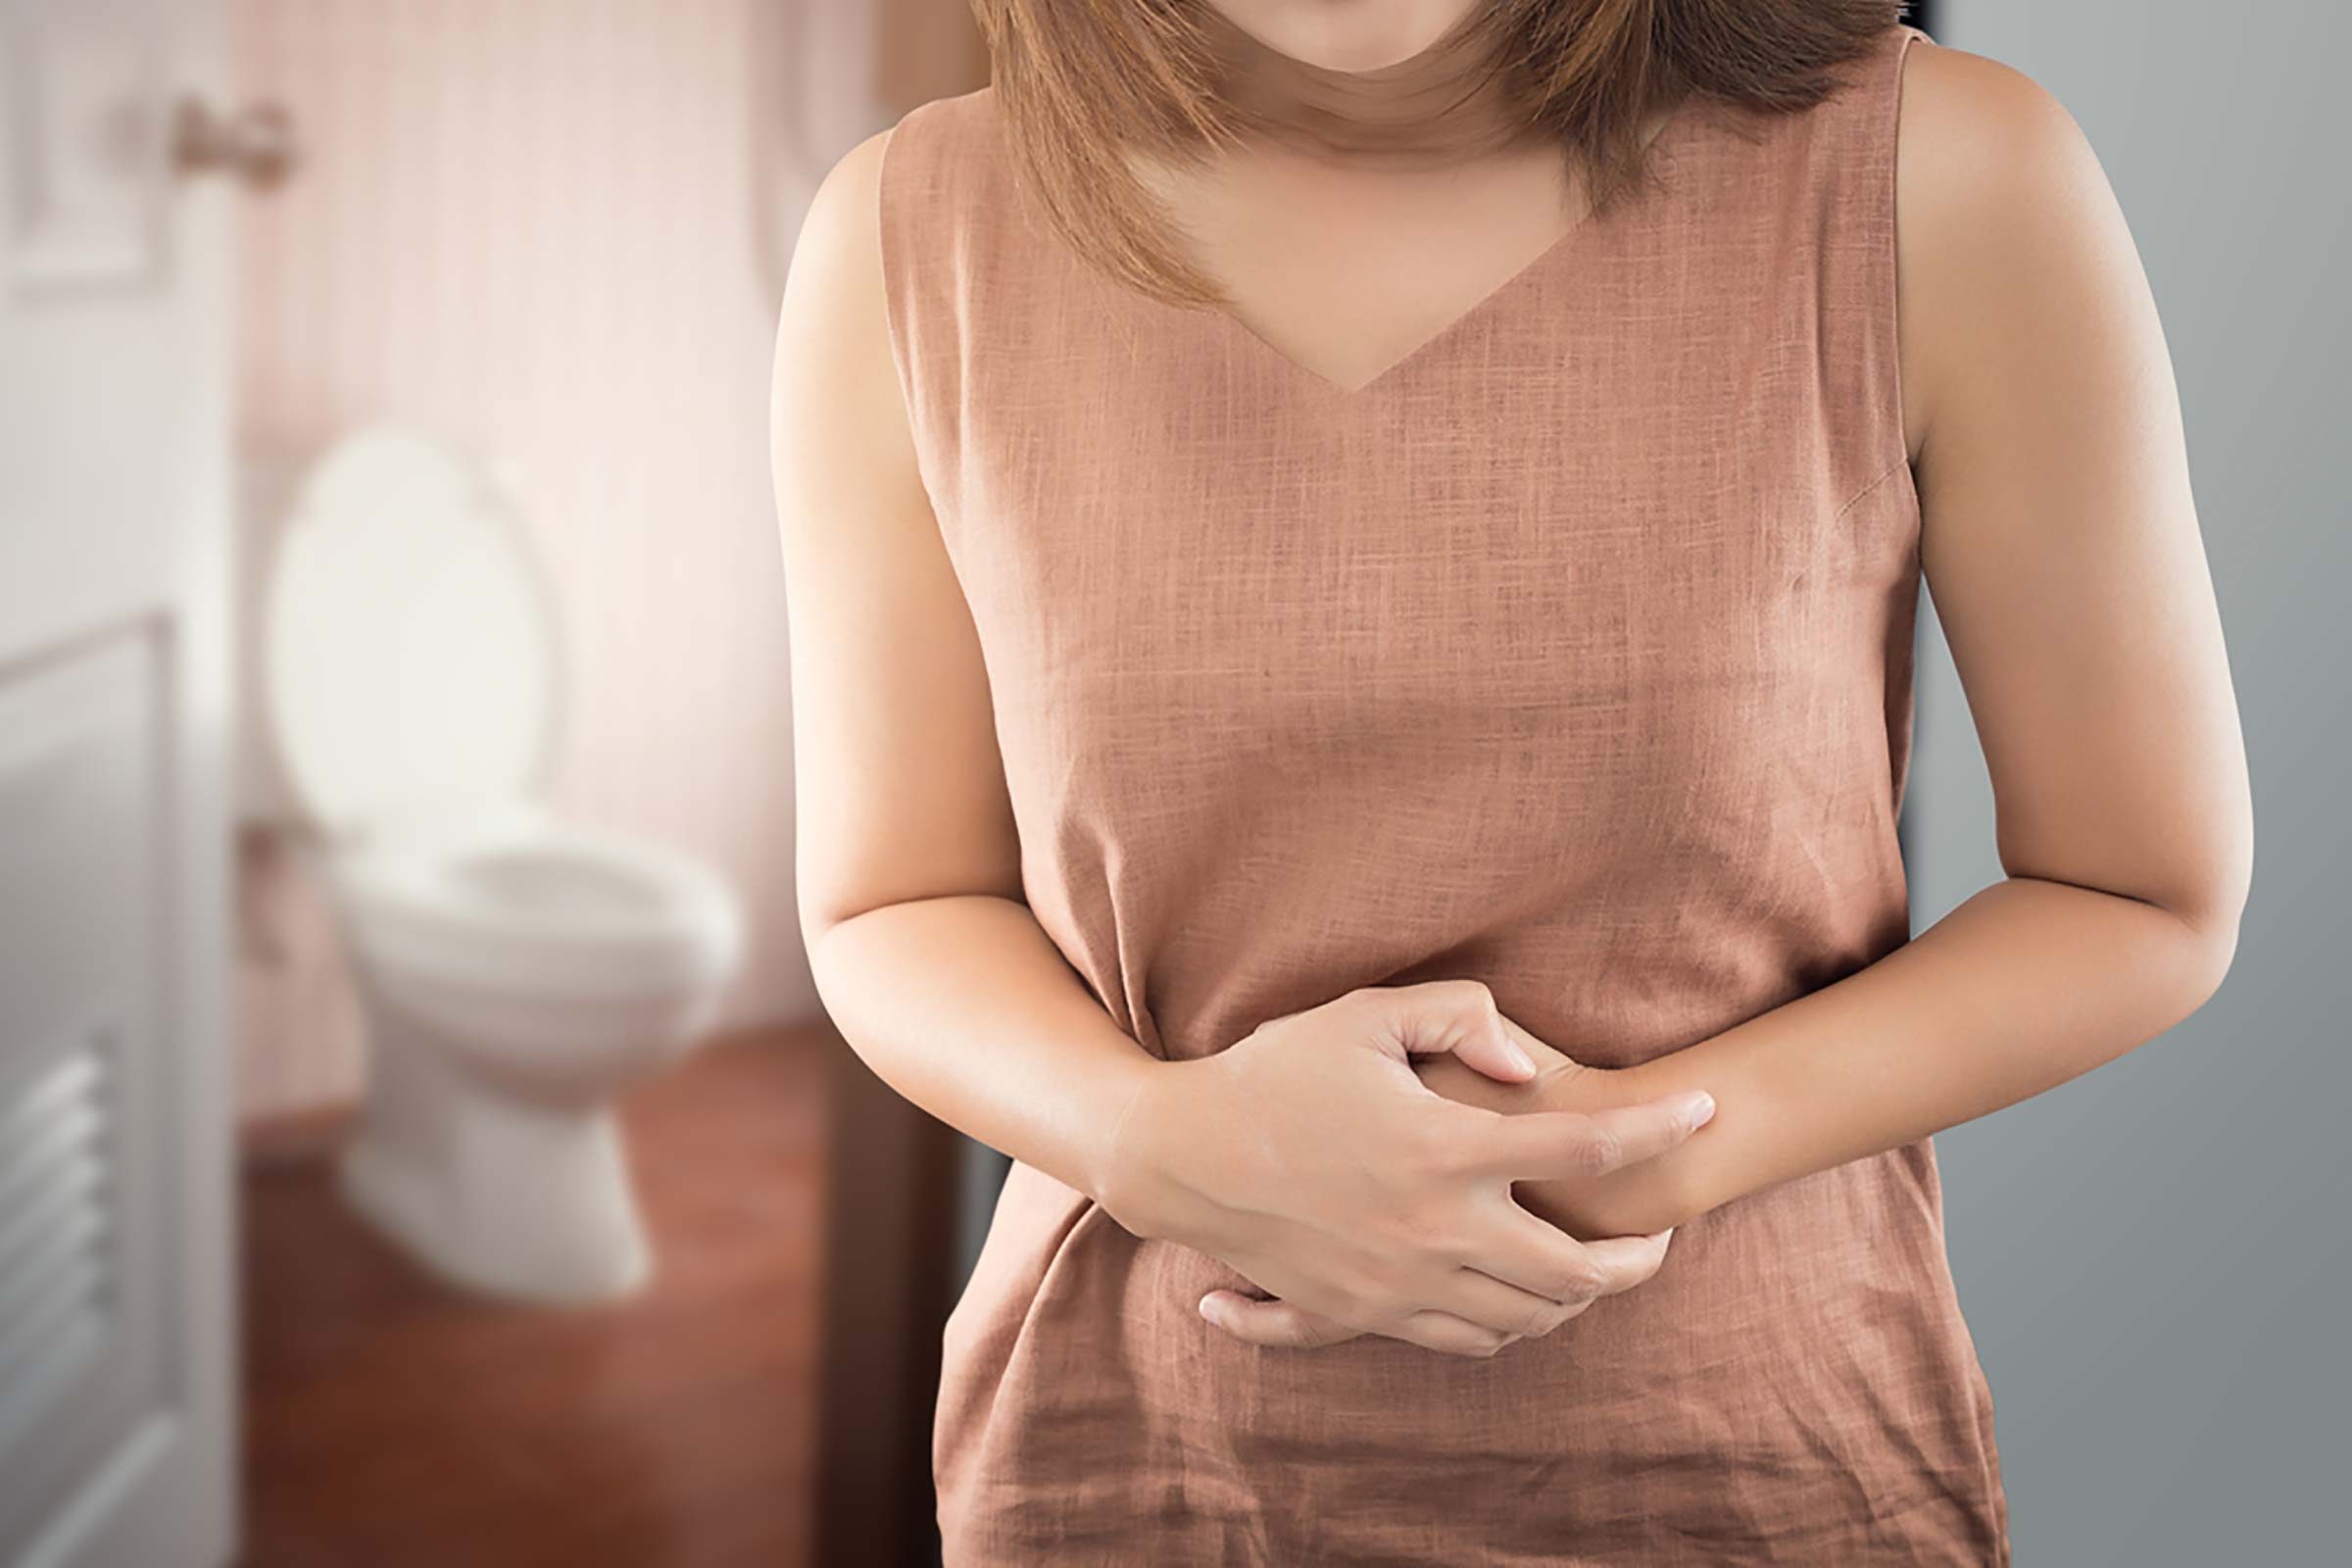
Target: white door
(117, 1366)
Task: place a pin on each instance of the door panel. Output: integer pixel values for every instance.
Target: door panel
(85, 1161)
(115, 1349)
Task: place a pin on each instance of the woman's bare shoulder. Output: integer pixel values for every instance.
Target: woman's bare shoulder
(2002, 211)
(833, 367)
(1976, 132)
(837, 260)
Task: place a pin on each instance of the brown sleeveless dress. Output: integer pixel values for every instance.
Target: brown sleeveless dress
(1573, 653)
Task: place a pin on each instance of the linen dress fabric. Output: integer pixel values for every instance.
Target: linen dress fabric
(1572, 653)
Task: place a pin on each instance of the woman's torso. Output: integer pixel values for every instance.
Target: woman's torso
(1571, 653)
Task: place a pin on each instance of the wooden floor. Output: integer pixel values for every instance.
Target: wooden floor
(391, 1423)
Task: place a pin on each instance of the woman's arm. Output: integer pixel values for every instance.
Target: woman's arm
(2062, 548)
(1307, 1156)
(908, 869)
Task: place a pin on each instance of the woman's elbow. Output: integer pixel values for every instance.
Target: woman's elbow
(2212, 915)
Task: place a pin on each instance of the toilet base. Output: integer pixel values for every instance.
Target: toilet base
(490, 1191)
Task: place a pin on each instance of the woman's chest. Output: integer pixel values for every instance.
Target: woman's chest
(1613, 580)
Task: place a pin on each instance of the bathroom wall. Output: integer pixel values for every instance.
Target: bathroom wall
(532, 225)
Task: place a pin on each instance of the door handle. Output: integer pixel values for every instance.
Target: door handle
(255, 146)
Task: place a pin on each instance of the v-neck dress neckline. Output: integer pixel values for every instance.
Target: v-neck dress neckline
(1247, 340)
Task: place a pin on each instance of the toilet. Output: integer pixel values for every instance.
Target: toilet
(514, 970)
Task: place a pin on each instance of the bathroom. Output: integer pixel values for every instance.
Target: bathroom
(469, 306)
(421, 1139)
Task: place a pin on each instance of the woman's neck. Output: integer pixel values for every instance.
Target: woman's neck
(1445, 104)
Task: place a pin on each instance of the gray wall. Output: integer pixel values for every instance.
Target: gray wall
(2154, 1257)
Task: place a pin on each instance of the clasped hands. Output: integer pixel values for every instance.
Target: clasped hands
(1356, 1162)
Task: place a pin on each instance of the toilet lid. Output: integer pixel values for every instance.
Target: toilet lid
(408, 646)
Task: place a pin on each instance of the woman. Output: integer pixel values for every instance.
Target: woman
(1329, 541)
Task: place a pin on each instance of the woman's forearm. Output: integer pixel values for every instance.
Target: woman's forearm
(2027, 985)
(967, 1008)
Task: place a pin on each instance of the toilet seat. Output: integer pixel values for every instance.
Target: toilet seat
(512, 901)
(410, 656)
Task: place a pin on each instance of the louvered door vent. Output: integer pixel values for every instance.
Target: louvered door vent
(56, 1264)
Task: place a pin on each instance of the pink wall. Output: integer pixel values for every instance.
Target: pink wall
(528, 223)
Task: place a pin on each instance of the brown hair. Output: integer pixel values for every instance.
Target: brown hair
(1077, 80)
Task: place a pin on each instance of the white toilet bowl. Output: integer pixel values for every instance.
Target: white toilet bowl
(515, 971)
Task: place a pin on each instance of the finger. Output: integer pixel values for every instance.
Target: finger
(1281, 1325)
(1536, 1255)
(1628, 1261)
(1437, 1016)
(1476, 1297)
(1275, 1324)
(1533, 1253)
(1570, 1145)
(1543, 1053)
(1443, 1331)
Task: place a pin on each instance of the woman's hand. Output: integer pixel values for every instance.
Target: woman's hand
(1633, 1199)
(1310, 1158)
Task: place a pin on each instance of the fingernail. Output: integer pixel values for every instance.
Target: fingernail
(1517, 1053)
(1700, 1108)
(1209, 1308)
